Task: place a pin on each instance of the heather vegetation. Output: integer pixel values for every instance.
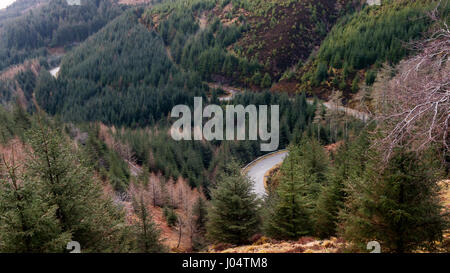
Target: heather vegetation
(365, 40)
(87, 155)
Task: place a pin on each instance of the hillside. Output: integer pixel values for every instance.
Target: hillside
(355, 49)
(261, 50)
(42, 25)
(19, 8)
(361, 127)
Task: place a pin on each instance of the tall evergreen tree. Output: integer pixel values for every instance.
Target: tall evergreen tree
(349, 161)
(147, 234)
(27, 224)
(396, 205)
(331, 197)
(233, 216)
(199, 214)
(67, 184)
(287, 213)
(315, 161)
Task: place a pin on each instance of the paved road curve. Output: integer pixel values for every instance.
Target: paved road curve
(257, 170)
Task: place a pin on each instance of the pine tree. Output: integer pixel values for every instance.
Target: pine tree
(355, 84)
(395, 204)
(67, 184)
(233, 216)
(331, 197)
(287, 213)
(147, 234)
(350, 161)
(200, 213)
(27, 224)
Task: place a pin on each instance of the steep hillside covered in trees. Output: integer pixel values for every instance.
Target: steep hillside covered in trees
(88, 156)
(361, 43)
(256, 41)
(52, 24)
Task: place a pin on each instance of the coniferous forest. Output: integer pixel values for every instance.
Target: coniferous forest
(87, 93)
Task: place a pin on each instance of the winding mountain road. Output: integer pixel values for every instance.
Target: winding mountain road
(233, 91)
(257, 169)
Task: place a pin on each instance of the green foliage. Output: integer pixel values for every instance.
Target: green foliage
(51, 199)
(256, 78)
(204, 50)
(349, 161)
(114, 78)
(13, 123)
(288, 210)
(396, 204)
(24, 80)
(375, 35)
(371, 75)
(287, 214)
(67, 185)
(266, 81)
(355, 84)
(198, 161)
(233, 214)
(364, 40)
(54, 24)
(321, 73)
(105, 161)
(148, 236)
(27, 224)
(171, 216)
(200, 213)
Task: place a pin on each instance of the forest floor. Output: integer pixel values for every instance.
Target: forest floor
(302, 245)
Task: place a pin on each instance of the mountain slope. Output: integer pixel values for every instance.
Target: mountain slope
(359, 44)
(115, 70)
(261, 39)
(53, 24)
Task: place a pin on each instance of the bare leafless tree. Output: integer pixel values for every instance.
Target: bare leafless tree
(415, 109)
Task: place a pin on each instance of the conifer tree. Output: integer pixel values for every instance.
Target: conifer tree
(27, 224)
(315, 165)
(147, 234)
(350, 161)
(287, 213)
(396, 205)
(233, 216)
(331, 197)
(200, 213)
(67, 185)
